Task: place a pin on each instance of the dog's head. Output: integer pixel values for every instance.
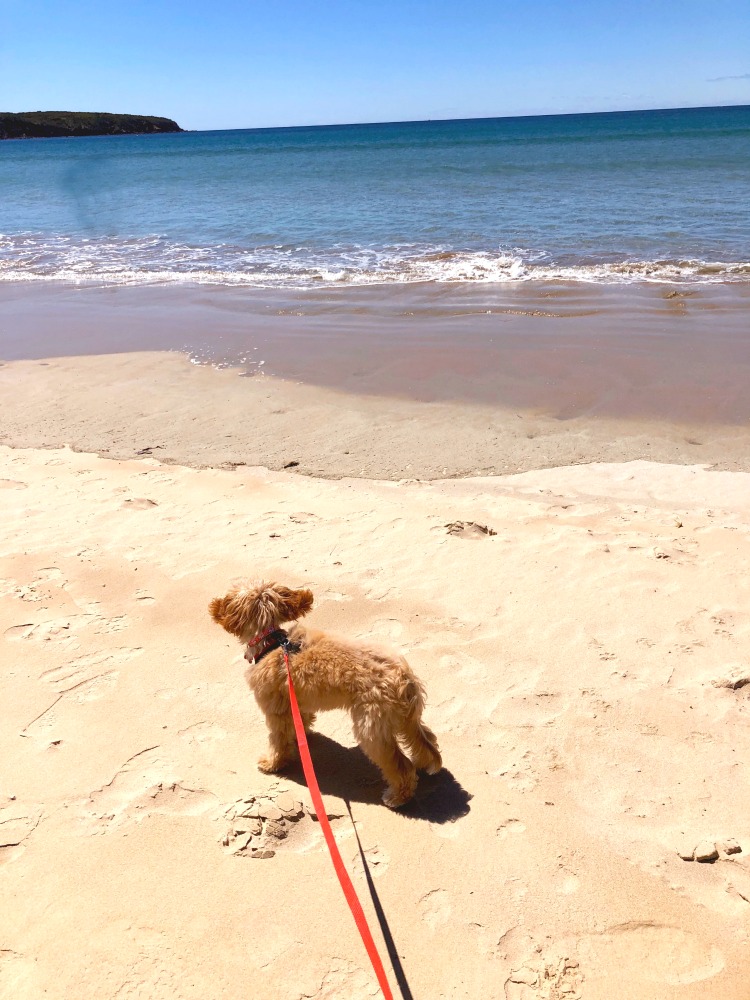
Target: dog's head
(249, 609)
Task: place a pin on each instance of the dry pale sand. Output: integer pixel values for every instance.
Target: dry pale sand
(588, 673)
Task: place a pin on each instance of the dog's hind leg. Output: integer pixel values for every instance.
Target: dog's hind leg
(381, 747)
(422, 745)
(282, 746)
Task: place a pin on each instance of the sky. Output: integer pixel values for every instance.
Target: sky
(248, 64)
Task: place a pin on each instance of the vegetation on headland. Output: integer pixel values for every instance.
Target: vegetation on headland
(45, 124)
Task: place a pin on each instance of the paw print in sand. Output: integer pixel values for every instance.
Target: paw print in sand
(258, 825)
(469, 529)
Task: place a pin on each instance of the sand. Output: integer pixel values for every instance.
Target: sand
(672, 353)
(588, 676)
(121, 405)
(553, 528)
(427, 381)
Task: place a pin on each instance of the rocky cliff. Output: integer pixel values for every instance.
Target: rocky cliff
(38, 124)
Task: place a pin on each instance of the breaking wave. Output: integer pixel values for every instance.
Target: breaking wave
(155, 260)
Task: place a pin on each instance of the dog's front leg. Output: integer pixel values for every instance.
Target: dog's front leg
(282, 746)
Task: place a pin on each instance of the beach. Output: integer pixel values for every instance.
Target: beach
(572, 589)
(482, 387)
(408, 383)
(587, 675)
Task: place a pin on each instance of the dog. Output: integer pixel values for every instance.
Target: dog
(380, 690)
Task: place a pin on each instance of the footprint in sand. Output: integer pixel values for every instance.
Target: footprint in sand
(538, 974)
(135, 961)
(447, 716)
(655, 953)
(43, 588)
(201, 733)
(139, 503)
(484, 939)
(303, 517)
(144, 785)
(386, 628)
(567, 883)
(469, 529)
(130, 802)
(19, 632)
(519, 773)
(382, 592)
(63, 631)
(716, 623)
(533, 710)
(517, 946)
(510, 826)
(344, 979)
(19, 975)
(104, 626)
(725, 622)
(52, 574)
(545, 979)
(87, 668)
(377, 862)
(90, 677)
(95, 688)
(465, 668)
(435, 908)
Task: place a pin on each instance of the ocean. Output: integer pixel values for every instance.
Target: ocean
(607, 198)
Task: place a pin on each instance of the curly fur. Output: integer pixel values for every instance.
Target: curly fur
(380, 690)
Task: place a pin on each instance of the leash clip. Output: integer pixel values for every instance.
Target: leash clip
(289, 646)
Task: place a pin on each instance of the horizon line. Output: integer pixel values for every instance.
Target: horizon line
(474, 118)
(410, 121)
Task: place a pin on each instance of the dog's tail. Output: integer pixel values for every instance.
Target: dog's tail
(420, 740)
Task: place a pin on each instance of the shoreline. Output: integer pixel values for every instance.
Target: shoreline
(158, 404)
(422, 383)
(562, 350)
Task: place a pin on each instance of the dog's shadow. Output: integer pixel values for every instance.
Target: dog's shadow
(348, 774)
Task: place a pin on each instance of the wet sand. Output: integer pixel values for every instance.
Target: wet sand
(413, 383)
(671, 352)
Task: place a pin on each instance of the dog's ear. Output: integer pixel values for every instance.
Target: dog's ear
(294, 603)
(234, 611)
(218, 609)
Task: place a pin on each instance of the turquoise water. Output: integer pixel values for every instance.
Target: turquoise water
(606, 197)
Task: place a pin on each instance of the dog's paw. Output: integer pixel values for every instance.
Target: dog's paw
(270, 765)
(395, 798)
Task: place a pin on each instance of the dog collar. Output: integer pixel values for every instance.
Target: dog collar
(259, 638)
(275, 638)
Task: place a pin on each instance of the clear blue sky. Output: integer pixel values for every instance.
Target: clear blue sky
(227, 64)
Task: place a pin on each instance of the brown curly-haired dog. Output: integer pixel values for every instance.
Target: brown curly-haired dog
(380, 690)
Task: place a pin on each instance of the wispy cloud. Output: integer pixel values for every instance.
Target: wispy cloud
(720, 79)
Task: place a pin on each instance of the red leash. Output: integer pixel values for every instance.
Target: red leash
(343, 876)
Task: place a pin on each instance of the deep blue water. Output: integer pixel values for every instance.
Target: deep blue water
(621, 196)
